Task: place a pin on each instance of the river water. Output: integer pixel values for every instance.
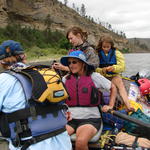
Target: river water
(136, 62)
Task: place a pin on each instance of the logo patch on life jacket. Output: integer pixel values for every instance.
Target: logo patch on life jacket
(58, 93)
(85, 90)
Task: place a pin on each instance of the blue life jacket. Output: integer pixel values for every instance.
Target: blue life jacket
(36, 122)
(108, 60)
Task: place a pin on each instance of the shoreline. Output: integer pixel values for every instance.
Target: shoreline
(45, 59)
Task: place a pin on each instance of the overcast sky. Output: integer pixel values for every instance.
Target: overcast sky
(130, 16)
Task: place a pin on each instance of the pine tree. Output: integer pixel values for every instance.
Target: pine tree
(66, 2)
(73, 6)
(83, 10)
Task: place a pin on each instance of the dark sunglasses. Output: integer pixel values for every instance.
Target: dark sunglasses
(72, 62)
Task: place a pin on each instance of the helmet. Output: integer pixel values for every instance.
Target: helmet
(144, 73)
(10, 48)
(145, 88)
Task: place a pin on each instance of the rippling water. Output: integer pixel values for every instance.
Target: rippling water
(135, 62)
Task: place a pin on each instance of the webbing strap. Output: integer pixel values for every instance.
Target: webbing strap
(26, 113)
(135, 143)
(38, 83)
(25, 144)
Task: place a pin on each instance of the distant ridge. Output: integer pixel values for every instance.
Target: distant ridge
(142, 43)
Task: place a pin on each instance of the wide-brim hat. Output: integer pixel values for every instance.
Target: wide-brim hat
(76, 54)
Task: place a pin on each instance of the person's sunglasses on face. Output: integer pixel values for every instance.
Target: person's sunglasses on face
(72, 62)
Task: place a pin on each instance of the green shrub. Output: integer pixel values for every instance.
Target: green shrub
(63, 43)
(36, 43)
(125, 50)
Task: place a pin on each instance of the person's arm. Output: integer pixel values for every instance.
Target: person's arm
(59, 66)
(120, 66)
(3, 89)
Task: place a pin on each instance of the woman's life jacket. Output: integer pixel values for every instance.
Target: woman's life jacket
(82, 92)
(81, 47)
(37, 121)
(108, 60)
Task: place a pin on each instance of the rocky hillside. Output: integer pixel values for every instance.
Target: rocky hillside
(52, 14)
(142, 43)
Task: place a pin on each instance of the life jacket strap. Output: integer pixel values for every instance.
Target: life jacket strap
(26, 143)
(22, 129)
(37, 87)
(38, 110)
(135, 143)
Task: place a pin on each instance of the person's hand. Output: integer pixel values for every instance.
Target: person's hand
(105, 108)
(99, 70)
(59, 66)
(104, 70)
(110, 69)
(130, 109)
(68, 115)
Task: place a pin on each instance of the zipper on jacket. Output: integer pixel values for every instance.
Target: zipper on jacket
(77, 91)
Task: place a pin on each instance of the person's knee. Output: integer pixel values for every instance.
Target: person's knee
(117, 81)
(81, 143)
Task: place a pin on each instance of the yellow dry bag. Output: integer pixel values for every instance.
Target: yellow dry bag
(55, 91)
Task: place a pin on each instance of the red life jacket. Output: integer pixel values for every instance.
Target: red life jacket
(82, 92)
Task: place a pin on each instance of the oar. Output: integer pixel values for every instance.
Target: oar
(129, 118)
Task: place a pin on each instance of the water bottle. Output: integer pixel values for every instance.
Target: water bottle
(133, 91)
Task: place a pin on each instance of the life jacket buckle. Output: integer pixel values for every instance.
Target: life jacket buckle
(34, 140)
(16, 142)
(65, 107)
(33, 112)
(25, 127)
(18, 127)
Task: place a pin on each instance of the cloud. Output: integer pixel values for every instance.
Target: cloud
(129, 16)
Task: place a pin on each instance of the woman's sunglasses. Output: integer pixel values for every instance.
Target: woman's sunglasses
(72, 62)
